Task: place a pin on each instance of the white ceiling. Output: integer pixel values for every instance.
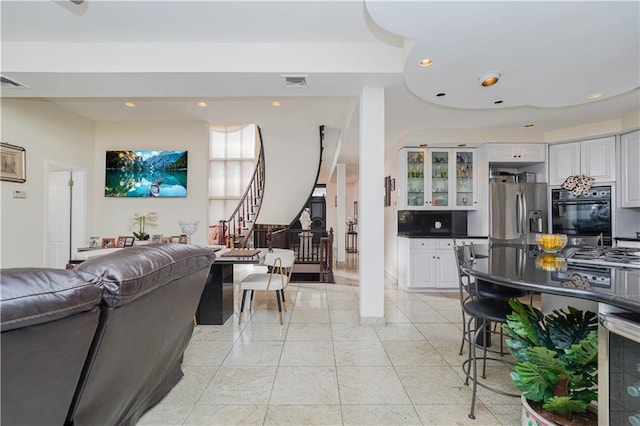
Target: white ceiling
(167, 55)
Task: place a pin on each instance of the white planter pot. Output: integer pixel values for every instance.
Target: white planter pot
(530, 417)
(141, 243)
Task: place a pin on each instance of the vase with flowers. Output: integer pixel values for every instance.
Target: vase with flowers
(142, 221)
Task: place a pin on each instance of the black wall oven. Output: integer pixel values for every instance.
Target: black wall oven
(582, 215)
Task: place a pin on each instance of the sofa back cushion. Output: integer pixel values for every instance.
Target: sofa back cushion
(31, 296)
(135, 271)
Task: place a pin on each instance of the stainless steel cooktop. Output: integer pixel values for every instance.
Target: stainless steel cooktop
(607, 256)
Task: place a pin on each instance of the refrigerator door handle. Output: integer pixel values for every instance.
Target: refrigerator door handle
(523, 210)
(518, 214)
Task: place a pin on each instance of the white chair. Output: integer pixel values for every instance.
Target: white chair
(280, 263)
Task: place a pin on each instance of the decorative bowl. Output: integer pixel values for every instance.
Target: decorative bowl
(551, 243)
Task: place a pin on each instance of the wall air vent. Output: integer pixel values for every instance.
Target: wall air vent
(12, 84)
(295, 80)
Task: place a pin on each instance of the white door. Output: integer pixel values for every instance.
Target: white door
(58, 218)
(65, 213)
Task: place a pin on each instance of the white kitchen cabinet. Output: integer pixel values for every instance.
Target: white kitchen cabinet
(517, 153)
(630, 169)
(595, 158)
(436, 178)
(426, 263)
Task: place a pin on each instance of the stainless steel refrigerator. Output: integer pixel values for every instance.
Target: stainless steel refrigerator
(518, 210)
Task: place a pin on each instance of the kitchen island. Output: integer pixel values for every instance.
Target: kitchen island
(521, 267)
(615, 288)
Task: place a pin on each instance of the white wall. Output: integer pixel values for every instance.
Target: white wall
(112, 216)
(291, 166)
(48, 133)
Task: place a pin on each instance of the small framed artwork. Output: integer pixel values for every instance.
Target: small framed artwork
(128, 242)
(156, 239)
(13, 163)
(387, 191)
(175, 239)
(108, 242)
(120, 241)
(182, 239)
(93, 242)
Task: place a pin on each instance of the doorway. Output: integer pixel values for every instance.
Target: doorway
(65, 212)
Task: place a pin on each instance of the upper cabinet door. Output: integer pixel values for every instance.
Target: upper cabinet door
(595, 158)
(517, 153)
(598, 159)
(465, 180)
(439, 183)
(564, 161)
(411, 178)
(630, 169)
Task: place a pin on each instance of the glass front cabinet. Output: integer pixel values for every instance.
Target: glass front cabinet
(437, 178)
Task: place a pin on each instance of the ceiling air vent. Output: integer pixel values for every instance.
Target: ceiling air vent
(295, 80)
(12, 84)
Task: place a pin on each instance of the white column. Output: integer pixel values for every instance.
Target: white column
(341, 195)
(371, 206)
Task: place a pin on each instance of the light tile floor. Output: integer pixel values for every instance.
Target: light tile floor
(323, 368)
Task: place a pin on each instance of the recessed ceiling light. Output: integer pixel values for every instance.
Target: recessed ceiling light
(130, 104)
(440, 94)
(489, 79)
(499, 101)
(425, 62)
(275, 103)
(528, 125)
(202, 104)
(594, 96)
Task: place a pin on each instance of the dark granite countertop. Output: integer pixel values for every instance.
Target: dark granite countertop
(515, 266)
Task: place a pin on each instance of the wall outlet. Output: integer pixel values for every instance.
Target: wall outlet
(19, 194)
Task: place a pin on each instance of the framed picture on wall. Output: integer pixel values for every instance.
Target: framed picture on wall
(146, 173)
(13, 163)
(387, 191)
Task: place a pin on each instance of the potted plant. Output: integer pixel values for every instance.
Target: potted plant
(556, 363)
(142, 221)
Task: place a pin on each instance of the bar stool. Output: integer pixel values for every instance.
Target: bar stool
(482, 310)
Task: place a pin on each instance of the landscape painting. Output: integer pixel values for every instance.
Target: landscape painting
(141, 173)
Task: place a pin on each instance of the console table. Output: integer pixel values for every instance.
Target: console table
(216, 302)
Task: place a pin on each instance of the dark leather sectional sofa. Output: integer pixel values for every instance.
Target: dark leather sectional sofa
(101, 344)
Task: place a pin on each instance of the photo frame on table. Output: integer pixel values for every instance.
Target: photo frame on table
(13, 163)
(108, 243)
(175, 239)
(156, 239)
(120, 241)
(128, 242)
(182, 239)
(93, 242)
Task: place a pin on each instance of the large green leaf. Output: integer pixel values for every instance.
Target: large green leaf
(534, 383)
(565, 404)
(568, 328)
